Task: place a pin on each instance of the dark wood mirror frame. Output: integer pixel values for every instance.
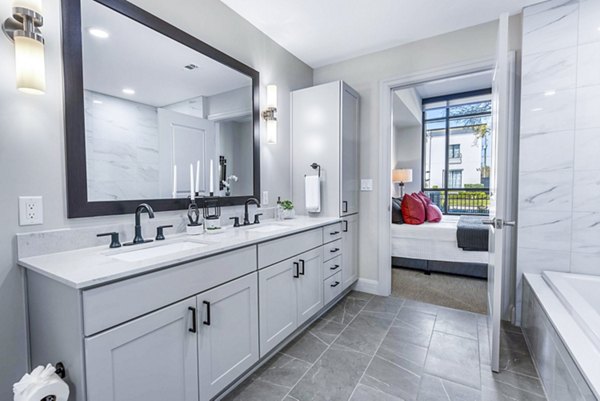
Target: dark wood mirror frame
(78, 204)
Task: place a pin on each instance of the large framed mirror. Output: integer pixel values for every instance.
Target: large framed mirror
(153, 114)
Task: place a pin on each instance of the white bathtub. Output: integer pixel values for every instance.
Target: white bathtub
(580, 294)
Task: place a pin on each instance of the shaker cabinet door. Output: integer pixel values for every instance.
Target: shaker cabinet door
(152, 358)
(350, 181)
(350, 250)
(278, 303)
(227, 333)
(310, 284)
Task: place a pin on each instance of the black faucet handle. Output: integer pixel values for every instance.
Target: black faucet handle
(256, 216)
(160, 235)
(236, 221)
(114, 239)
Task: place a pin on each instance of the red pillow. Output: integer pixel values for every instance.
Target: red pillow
(434, 214)
(413, 210)
(426, 200)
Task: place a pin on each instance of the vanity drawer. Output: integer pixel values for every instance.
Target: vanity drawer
(332, 266)
(112, 304)
(332, 250)
(332, 232)
(277, 250)
(332, 287)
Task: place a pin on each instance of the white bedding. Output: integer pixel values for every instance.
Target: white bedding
(432, 241)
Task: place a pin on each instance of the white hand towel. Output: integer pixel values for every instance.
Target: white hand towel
(312, 191)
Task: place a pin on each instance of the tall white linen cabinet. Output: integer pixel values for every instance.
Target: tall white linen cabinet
(325, 131)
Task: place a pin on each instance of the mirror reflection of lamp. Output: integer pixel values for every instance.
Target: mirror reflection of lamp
(402, 176)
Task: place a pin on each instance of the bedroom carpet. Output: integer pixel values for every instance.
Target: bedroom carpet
(455, 292)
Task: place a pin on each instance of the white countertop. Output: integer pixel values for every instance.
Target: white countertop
(88, 267)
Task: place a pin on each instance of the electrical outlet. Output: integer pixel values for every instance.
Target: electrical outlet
(265, 198)
(31, 210)
(366, 184)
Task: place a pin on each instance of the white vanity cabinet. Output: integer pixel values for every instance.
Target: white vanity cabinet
(153, 358)
(350, 250)
(309, 284)
(227, 333)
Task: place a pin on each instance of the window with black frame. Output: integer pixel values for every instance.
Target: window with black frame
(457, 152)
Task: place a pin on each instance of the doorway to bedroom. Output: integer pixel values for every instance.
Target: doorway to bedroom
(441, 166)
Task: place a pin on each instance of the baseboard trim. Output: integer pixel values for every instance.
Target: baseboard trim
(367, 285)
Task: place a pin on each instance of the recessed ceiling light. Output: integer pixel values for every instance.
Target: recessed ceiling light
(99, 33)
(128, 91)
(537, 109)
(97, 101)
(550, 93)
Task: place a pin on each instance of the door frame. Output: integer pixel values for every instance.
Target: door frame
(384, 285)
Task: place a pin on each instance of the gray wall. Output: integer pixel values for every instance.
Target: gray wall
(408, 144)
(365, 74)
(559, 195)
(32, 142)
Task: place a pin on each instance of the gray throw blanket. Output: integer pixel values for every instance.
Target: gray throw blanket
(472, 234)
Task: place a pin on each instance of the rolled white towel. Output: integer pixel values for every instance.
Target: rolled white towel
(312, 191)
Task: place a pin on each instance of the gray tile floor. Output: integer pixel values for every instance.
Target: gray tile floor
(389, 349)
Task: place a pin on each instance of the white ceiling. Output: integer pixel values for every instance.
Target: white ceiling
(136, 57)
(321, 32)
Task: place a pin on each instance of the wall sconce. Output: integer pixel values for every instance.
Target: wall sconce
(270, 114)
(23, 30)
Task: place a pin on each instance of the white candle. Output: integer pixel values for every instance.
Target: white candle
(175, 181)
(192, 195)
(211, 189)
(198, 176)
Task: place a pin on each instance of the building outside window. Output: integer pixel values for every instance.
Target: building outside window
(457, 151)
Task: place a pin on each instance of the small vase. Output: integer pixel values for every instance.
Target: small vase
(288, 214)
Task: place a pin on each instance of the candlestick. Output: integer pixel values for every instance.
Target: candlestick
(198, 176)
(192, 194)
(175, 181)
(211, 189)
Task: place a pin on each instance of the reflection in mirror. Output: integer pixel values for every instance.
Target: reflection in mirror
(153, 107)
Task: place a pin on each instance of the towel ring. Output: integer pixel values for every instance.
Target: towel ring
(316, 166)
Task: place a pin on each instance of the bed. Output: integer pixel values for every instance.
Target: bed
(433, 247)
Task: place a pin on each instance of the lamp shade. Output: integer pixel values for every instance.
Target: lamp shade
(402, 175)
(29, 59)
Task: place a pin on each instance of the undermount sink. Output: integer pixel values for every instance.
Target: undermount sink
(157, 251)
(269, 228)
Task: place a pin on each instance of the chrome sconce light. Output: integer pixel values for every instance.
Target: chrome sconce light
(23, 30)
(270, 114)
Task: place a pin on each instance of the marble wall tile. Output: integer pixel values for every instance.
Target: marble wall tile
(541, 113)
(550, 25)
(587, 149)
(557, 151)
(589, 10)
(586, 263)
(545, 230)
(586, 191)
(586, 232)
(587, 107)
(549, 71)
(546, 190)
(588, 63)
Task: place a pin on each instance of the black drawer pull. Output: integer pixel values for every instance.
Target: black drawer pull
(335, 284)
(296, 269)
(194, 328)
(334, 267)
(345, 206)
(334, 250)
(334, 233)
(207, 321)
(345, 226)
(302, 264)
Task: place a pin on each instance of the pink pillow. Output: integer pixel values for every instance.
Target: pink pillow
(426, 200)
(413, 210)
(434, 214)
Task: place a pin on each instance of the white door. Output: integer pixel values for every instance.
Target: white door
(227, 333)
(278, 303)
(153, 358)
(310, 284)
(349, 250)
(349, 152)
(500, 188)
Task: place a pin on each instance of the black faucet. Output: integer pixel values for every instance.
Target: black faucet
(246, 217)
(144, 207)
